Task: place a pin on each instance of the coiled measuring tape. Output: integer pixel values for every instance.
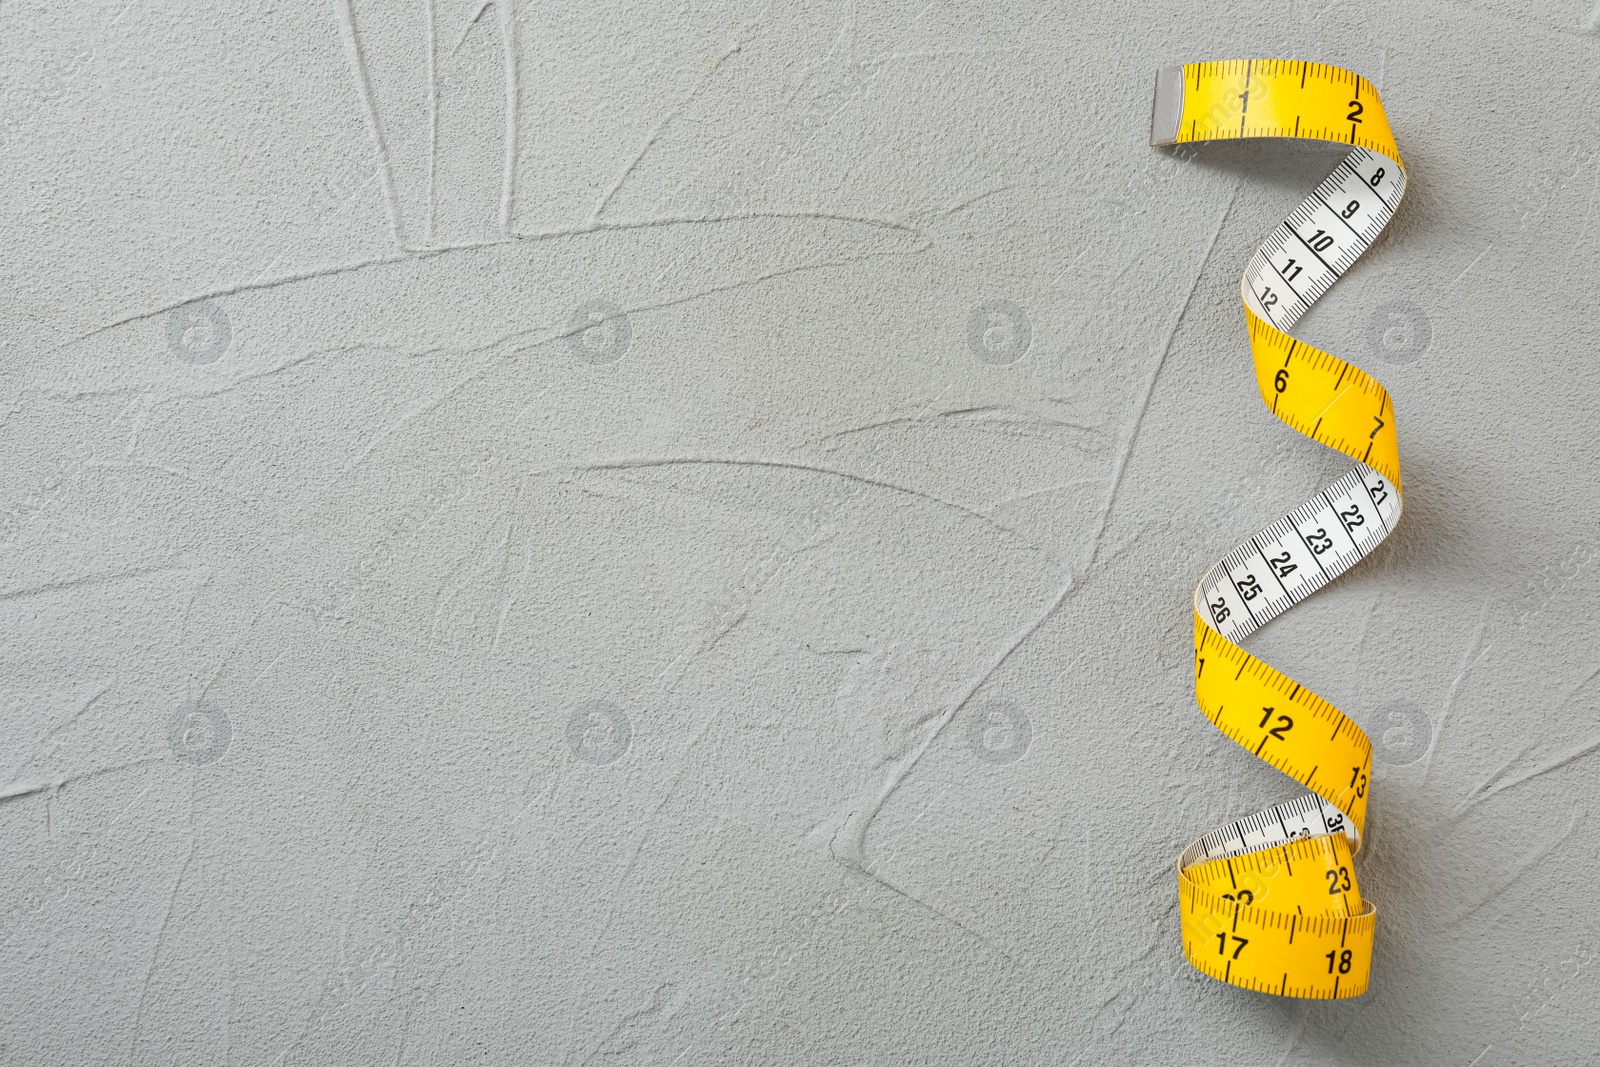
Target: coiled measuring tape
(1271, 902)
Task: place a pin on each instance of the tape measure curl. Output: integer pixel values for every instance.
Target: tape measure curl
(1271, 902)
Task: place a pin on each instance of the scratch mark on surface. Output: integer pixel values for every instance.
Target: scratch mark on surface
(740, 216)
(275, 661)
(513, 88)
(27, 789)
(1475, 651)
(853, 850)
(76, 713)
(260, 375)
(207, 574)
(256, 286)
(413, 411)
(601, 226)
(881, 879)
(843, 35)
(155, 954)
(671, 115)
(941, 53)
(1294, 1039)
(1472, 794)
(1078, 483)
(65, 584)
(633, 858)
(142, 405)
(857, 88)
(609, 1046)
(964, 204)
(1366, 622)
(222, 664)
(358, 67)
(508, 592)
(1588, 211)
(1150, 385)
(433, 116)
(173, 472)
(996, 414)
(1518, 870)
(405, 1033)
(796, 465)
(473, 21)
(783, 272)
(1073, 262)
(24, 789)
(648, 823)
(1474, 263)
(1482, 794)
(43, 747)
(1480, 1056)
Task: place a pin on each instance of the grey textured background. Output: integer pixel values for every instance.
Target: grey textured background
(667, 534)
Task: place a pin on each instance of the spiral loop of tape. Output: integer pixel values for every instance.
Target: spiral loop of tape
(1271, 902)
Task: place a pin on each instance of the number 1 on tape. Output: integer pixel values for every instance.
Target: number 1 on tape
(1271, 902)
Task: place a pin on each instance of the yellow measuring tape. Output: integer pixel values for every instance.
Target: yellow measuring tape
(1271, 902)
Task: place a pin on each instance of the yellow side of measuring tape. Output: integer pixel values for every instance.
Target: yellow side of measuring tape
(1271, 902)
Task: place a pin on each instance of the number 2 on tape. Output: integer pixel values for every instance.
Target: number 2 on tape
(1271, 902)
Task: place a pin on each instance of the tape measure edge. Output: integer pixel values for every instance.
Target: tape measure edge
(1167, 113)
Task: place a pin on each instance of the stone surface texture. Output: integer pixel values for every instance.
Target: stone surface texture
(633, 533)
